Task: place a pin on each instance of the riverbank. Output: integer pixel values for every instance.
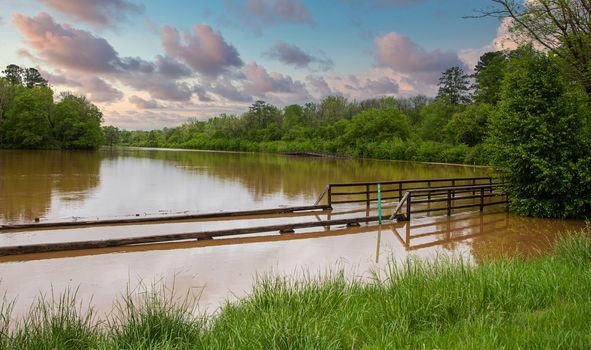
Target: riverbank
(543, 302)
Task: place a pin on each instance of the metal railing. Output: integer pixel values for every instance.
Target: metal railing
(479, 194)
(366, 192)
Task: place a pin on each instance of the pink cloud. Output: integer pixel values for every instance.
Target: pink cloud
(404, 56)
(64, 46)
(203, 50)
(98, 13)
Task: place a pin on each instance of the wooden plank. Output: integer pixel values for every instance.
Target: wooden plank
(137, 220)
(118, 242)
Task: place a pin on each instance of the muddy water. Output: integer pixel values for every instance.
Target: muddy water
(53, 185)
(58, 185)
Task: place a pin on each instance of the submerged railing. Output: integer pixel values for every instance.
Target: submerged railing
(366, 192)
(450, 196)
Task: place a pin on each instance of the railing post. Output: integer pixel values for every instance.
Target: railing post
(400, 191)
(367, 195)
(429, 195)
(481, 199)
(408, 204)
(448, 202)
(453, 184)
(330, 196)
(473, 184)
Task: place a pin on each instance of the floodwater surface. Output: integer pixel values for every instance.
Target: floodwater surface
(118, 183)
(54, 185)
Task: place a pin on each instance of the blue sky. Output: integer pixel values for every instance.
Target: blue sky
(153, 63)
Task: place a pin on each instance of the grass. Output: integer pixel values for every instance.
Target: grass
(509, 303)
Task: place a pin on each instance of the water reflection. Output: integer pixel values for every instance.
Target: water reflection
(31, 180)
(61, 185)
(489, 236)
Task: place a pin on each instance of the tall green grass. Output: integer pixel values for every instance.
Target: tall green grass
(508, 303)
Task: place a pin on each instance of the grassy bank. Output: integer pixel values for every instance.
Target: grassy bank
(511, 303)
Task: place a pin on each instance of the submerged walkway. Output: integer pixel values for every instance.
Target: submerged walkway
(347, 205)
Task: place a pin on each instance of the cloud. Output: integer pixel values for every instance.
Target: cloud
(269, 11)
(226, 89)
(71, 49)
(319, 85)
(404, 56)
(171, 68)
(203, 50)
(143, 104)
(293, 55)
(96, 89)
(376, 82)
(98, 13)
(259, 81)
(145, 119)
(158, 87)
(65, 46)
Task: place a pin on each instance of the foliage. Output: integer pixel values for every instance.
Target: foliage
(29, 118)
(29, 77)
(537, 140)
(488, 76)
(470, 126)
(77, 123)
(454, 85)
(28, 123)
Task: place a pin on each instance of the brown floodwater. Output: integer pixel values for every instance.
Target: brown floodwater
(118, 183)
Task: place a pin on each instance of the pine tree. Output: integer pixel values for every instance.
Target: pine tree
(454, 85)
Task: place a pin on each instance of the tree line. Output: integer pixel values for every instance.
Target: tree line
(31, 119)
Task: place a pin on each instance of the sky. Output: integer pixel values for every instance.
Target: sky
(154, 64)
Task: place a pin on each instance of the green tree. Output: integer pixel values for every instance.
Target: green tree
(434, 119)
(32, 78)
(333, 108)
(376, 125)
(14, 74)
(537, 142)
(77, 123)
(28, 119)
(260, 114)
(488, 76)
(112, 135)
(454, 85)
(470, 126)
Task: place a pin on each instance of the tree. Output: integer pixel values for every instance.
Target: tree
(377, 125)
(454, 85)
(559, 26)
(488, 75)
(77, 123)
(13, 74)
(434, 118)
(333, 108)
(537, 140)
(470, 126)
(28, 119)
(7, 93)
(29, 77)
(32, 78)
(112, 135)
